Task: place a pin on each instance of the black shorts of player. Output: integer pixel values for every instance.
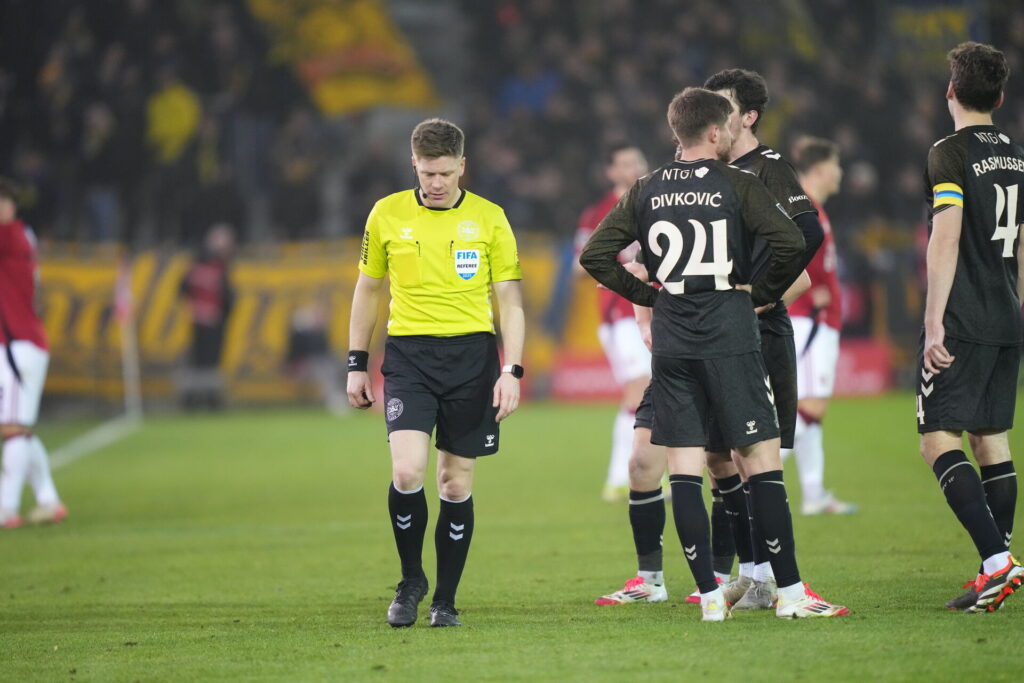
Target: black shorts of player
(977, 393)
(779, 355)
(447, 382)
(645, 411)
(732, 392)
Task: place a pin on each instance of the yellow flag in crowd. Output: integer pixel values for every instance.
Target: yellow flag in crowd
(348, 53)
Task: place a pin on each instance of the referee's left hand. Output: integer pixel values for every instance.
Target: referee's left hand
(506, 396)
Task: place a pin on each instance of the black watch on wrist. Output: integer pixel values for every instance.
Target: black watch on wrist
(515, 370)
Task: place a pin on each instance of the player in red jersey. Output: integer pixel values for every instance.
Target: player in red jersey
(817, 319)
(627, 354)
(24, 357)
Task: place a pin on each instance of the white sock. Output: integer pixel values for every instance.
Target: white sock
(763, 572)
(810, 460)
(722, 578)
(654, 578)
(747, 569)
(996, 562)
(39, 475)
(16, 455)
(622, 446)
(792, 593)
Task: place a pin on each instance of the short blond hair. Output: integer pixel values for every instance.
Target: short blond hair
(436, 138)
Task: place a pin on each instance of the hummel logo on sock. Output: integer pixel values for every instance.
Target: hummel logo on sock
(691, 552)
(774, 547)
(456, 527)
(404, 522)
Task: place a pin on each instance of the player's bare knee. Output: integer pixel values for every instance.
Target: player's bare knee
(934, 444)
(722, 470)
(989, 448)
(644, 474)
(407, 478)
(12, 431)
(814, 408)
(720, 465)
(455, 489)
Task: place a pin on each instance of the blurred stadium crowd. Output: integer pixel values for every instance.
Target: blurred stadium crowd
(144, 122)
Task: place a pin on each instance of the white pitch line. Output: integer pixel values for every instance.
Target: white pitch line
(104, 435)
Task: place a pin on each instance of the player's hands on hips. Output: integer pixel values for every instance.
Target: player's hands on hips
(638, 270)
(506, 396)
(936, 357)
(360, 389)
(758, 310)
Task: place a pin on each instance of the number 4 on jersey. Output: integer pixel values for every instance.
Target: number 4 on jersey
(1006, 198)
(720, 266)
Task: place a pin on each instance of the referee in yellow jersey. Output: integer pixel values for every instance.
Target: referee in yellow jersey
(443, 249)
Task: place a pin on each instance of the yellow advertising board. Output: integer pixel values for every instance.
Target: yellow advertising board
(77, 298)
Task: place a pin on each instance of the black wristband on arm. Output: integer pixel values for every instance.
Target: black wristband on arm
(358, 361)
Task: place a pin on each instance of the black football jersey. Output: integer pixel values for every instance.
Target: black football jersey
(981, 169)
(779, 177)
(697, 223)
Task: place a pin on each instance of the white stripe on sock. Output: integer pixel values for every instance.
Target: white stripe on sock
(965, 462)
(652, 499)
(468, 495)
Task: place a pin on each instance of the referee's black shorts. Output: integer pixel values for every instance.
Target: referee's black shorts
(447, 382)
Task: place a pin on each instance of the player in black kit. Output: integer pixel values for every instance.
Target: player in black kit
(970, 345)
(696, 220)
(755, 587)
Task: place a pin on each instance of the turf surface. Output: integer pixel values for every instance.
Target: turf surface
(255, 546)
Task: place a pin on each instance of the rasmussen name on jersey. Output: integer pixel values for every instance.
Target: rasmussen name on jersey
(998, 163)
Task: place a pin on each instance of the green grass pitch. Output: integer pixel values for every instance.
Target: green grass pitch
(256, 546)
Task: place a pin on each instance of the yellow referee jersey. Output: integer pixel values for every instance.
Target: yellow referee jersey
(441, 262)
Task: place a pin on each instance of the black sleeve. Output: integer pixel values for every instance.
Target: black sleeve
(763, 216)
(814, 236)
(947, 161)
(600, 255)
(782, 182)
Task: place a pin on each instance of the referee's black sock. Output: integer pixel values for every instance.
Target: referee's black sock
(647, 517)
(409, 522)
(452, 536)
(693, 528)
(734, 498)
(1000, 484)
(775, 525)
(723, 549)
(758, 552)
(966, 496)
